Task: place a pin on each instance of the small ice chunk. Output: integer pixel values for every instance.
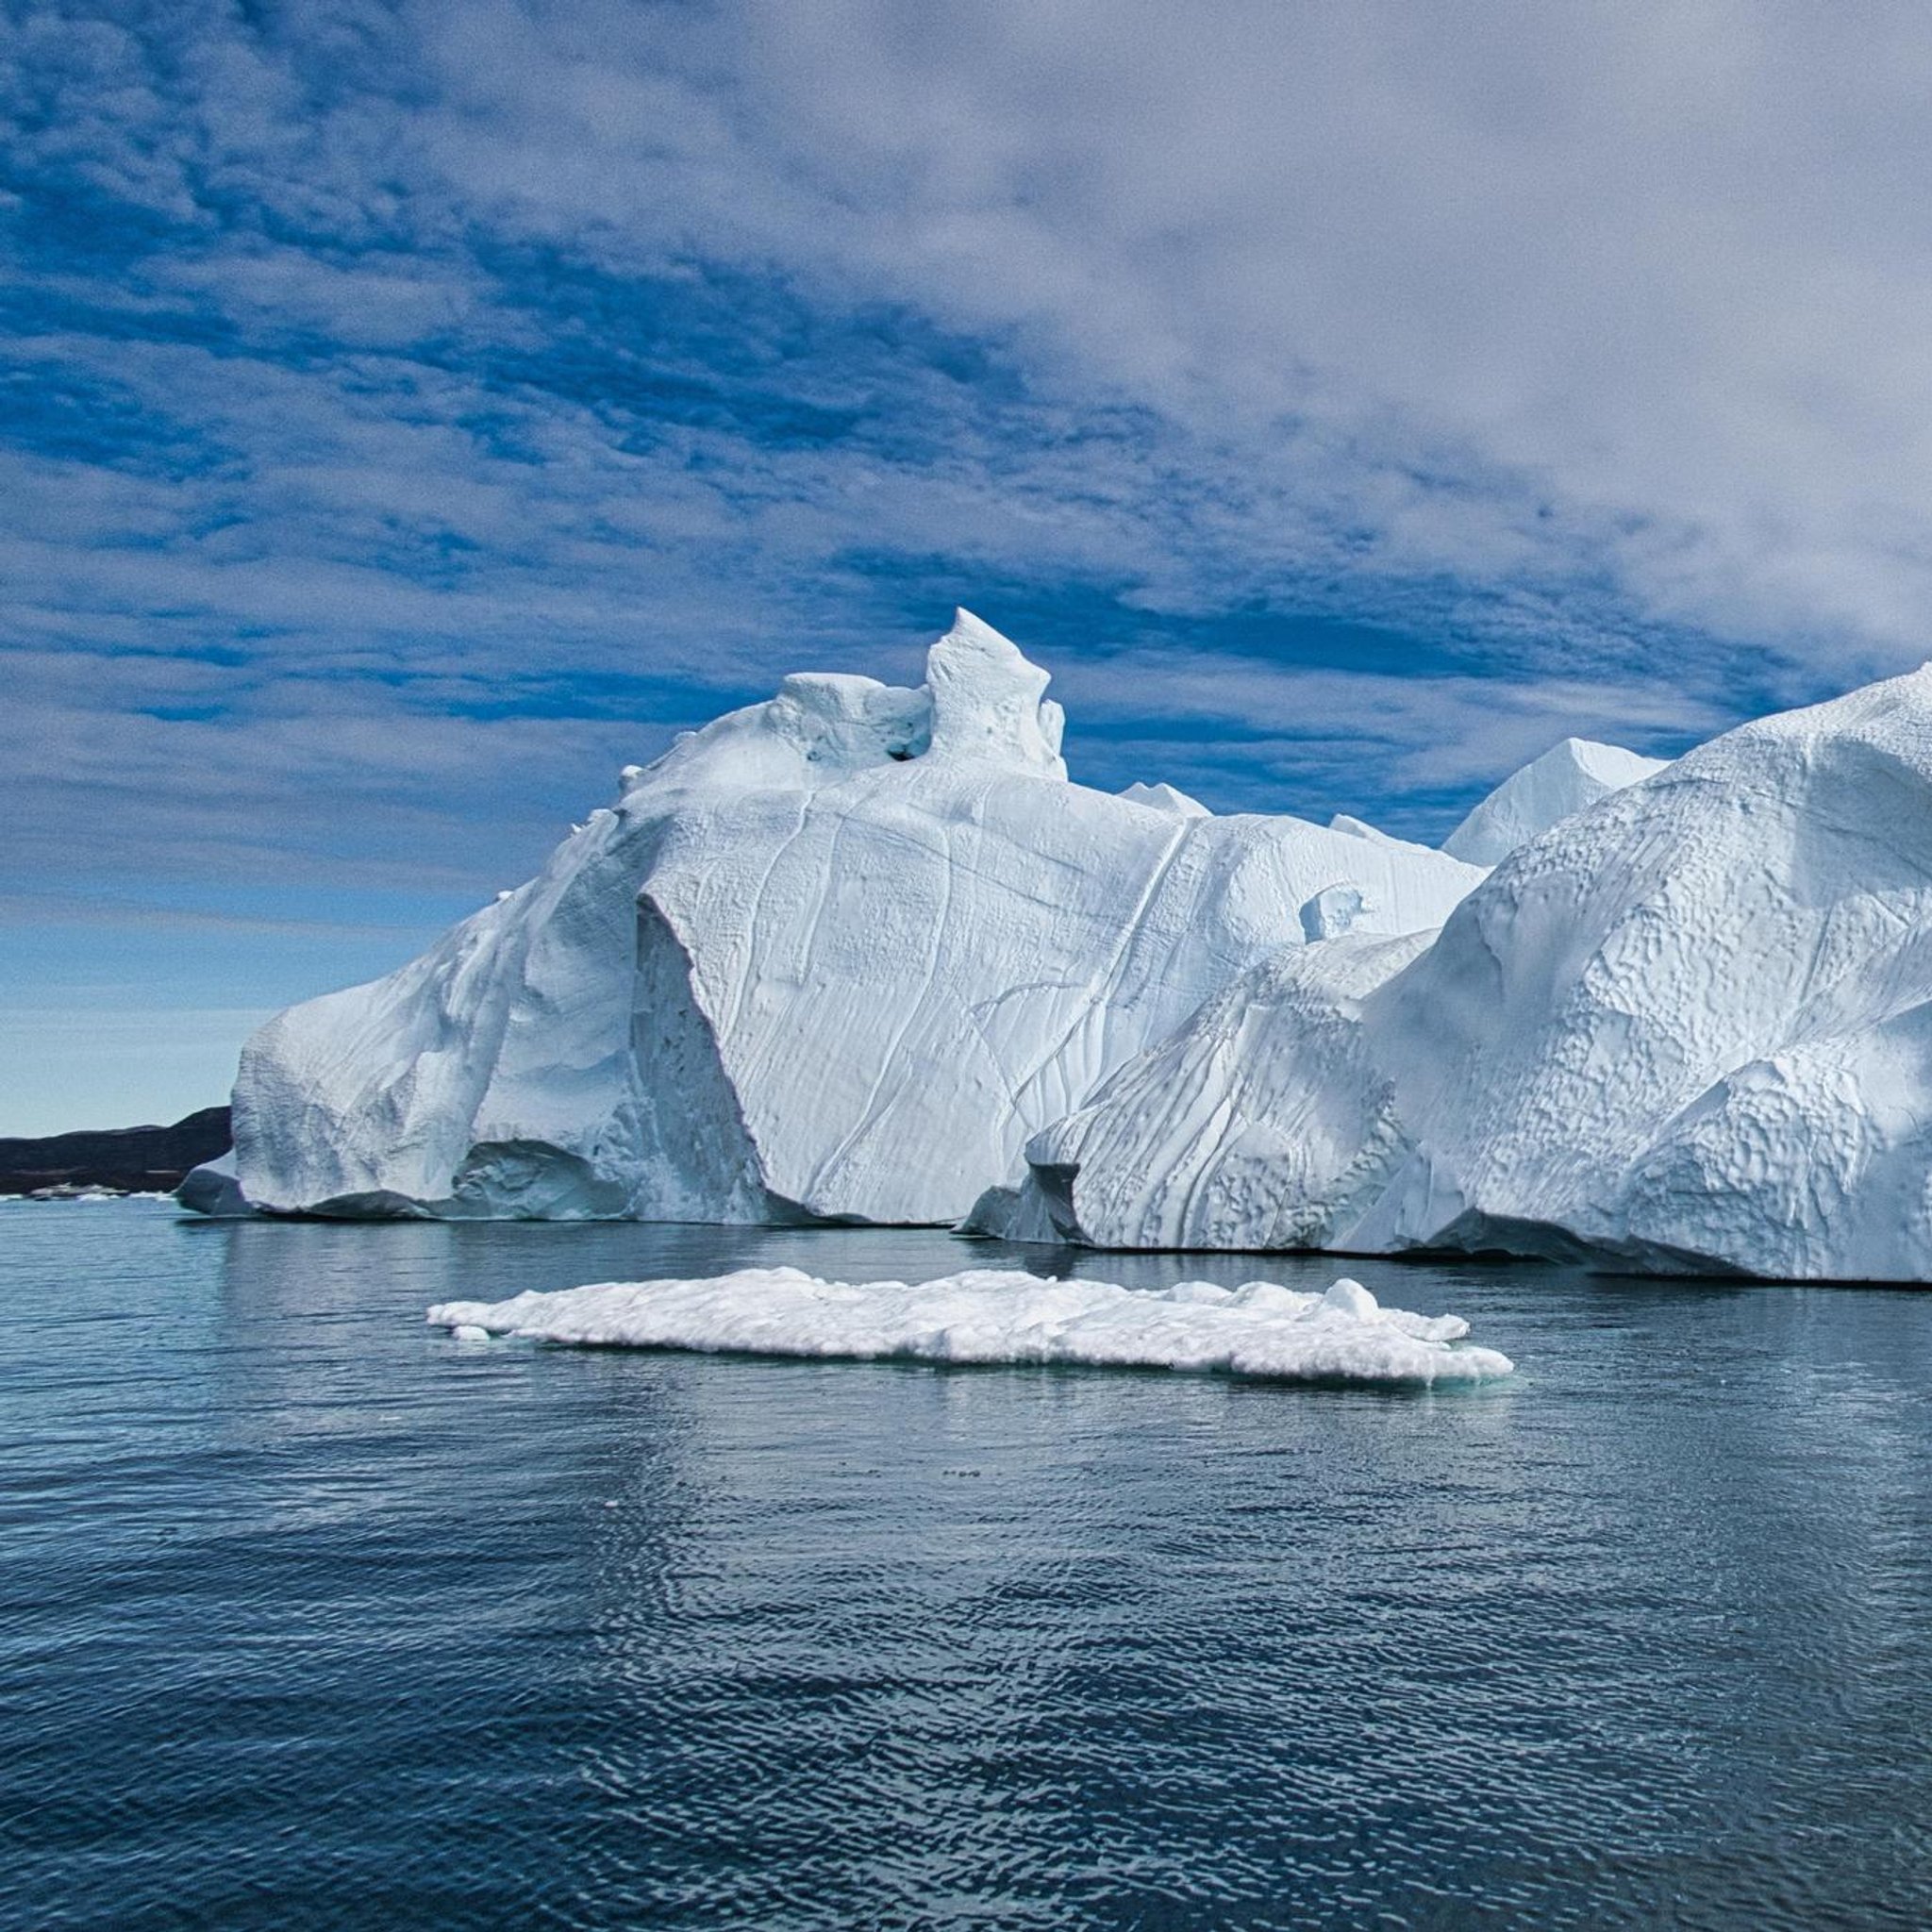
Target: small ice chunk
(469, 1331)
(1352, 1298)
(1198, 1291)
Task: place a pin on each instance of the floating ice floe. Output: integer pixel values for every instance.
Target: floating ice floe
(1004, 1316)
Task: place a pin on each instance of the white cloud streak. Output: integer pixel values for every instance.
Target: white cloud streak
(1586, 348)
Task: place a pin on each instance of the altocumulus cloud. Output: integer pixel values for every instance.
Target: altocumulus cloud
(414, 410)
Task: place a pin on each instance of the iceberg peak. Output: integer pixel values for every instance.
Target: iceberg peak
(1166, 798)
(1566, 779)
(988, 699)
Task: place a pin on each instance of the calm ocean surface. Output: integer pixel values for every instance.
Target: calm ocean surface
(310, 1616)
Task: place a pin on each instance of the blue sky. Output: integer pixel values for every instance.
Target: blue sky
(414, 412)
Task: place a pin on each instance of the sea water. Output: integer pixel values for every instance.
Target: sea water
(312, 1615)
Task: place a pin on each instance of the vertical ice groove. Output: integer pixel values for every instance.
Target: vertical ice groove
(913, 1010)
(1104, 978)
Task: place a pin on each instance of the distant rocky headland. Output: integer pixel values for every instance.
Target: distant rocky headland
(120, 1160)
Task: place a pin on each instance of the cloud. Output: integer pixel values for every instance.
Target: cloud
(1650, 270)
(416, 410)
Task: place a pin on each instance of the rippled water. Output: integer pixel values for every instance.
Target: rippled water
(310, 1616)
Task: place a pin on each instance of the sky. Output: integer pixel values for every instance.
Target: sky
(416, 412)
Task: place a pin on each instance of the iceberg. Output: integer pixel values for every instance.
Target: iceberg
(836, 957)
(1005, 1316)
(1688, 1029)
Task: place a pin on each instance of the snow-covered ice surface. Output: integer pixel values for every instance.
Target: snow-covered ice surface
(835, 956)
(1003, 1316)
(1568, 779)
(1690, 1029)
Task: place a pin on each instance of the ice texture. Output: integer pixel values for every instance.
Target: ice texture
(1567, 779)
(999, 1315)
(1688, 1029)
(836, 957)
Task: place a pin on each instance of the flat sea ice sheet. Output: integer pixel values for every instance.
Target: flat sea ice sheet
(999, 1315)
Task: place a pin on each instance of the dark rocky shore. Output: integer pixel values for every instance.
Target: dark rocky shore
(123, 1160)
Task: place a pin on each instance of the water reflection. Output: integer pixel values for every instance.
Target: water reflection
(308, 1603)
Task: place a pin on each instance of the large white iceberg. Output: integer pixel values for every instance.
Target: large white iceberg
(996, 1315)
(837, 956)
(1689, 1029)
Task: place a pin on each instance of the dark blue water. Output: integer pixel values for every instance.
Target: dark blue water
(310, 1616)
